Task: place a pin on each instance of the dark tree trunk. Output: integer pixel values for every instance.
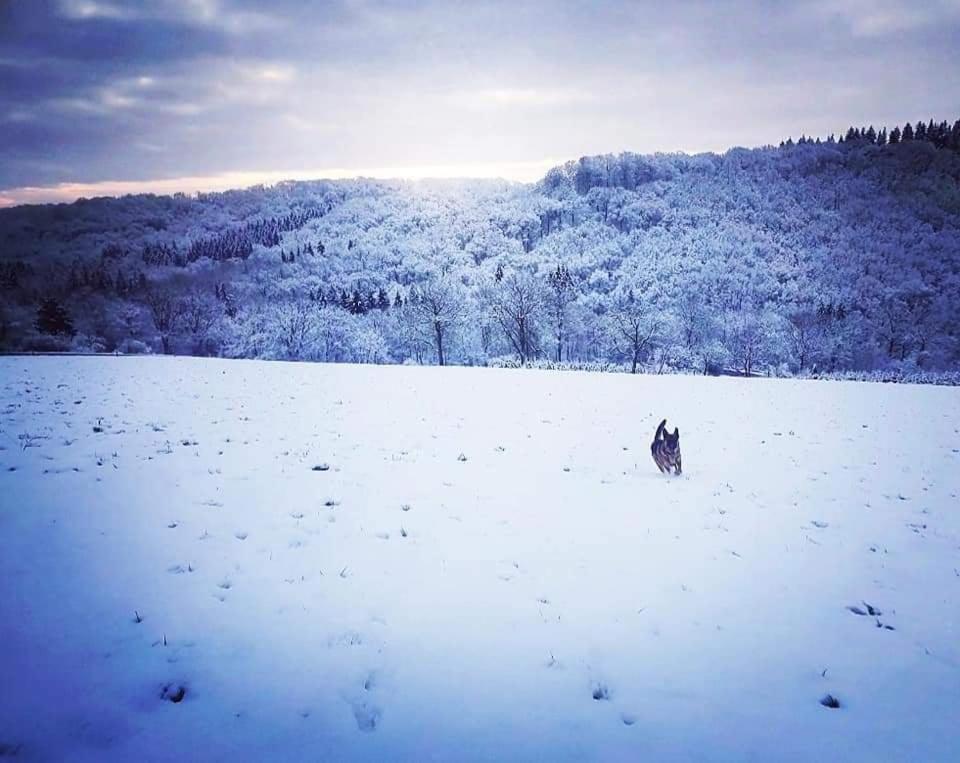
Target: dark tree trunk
(439, 330)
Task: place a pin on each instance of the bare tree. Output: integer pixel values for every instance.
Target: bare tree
(439, 307)
(294, 320)
(636, 322)
(166, 310)
(200, 312)
(517, 303)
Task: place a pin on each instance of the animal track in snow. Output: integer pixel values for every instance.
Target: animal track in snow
(601, 692)
(367, 716)
(174, 692)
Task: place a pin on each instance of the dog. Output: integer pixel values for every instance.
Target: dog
(665, 449)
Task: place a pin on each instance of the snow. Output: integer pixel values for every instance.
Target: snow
(471, 608)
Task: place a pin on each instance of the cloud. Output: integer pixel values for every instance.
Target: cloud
(216, 86)
(208, 13)
(514, 97)
(98, 9)
(882, 18)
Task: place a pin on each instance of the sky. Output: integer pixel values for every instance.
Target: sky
(104, 97)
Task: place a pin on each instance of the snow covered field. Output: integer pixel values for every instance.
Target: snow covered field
(389, 563)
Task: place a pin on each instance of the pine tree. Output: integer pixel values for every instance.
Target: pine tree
(920, 132)
(52, 318)
(894, 135)
(907, 132)
(562, 294)
(357, 306)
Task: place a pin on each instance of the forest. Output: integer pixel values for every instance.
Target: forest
(815, 256)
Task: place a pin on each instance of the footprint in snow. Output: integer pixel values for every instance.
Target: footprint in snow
(240, 535)
(367, 716)
(601, 692)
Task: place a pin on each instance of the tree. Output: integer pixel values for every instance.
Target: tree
(166, 310)
(293, 322)
(636, 319)
(199, 314)
(439, 308)
(53, 318)
(562, 293)
(517, 305)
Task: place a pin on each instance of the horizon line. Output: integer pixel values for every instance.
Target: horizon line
(517, 172)
(68, 192)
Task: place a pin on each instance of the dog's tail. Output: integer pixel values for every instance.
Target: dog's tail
(660, 429)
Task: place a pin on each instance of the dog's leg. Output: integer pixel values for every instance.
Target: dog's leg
(678, 464)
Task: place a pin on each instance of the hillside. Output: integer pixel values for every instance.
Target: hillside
(233, 560)
(825, 256)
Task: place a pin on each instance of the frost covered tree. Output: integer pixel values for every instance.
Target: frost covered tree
(517, 304)
(635, 319)
(167, 309)
(851, 244)
(562, 293)
(438, 307)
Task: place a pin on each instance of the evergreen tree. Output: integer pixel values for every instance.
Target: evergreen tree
(894, 135)
(357, 306)
(52, 318)
(907, 132)
(561, 295)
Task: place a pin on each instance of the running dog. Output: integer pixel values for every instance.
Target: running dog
(665, 449)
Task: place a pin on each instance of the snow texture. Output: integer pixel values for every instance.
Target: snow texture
(242, 560)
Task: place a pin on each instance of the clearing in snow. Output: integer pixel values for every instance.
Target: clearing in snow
(233, 560)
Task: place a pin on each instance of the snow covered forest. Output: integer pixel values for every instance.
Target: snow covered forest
(814, 256)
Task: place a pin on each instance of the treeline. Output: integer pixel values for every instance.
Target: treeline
(232, 244)
(940, 134)
(821, 256)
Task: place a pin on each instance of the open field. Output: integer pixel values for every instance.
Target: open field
(239, 560)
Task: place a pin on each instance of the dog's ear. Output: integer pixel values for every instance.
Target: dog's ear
(676, 431)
